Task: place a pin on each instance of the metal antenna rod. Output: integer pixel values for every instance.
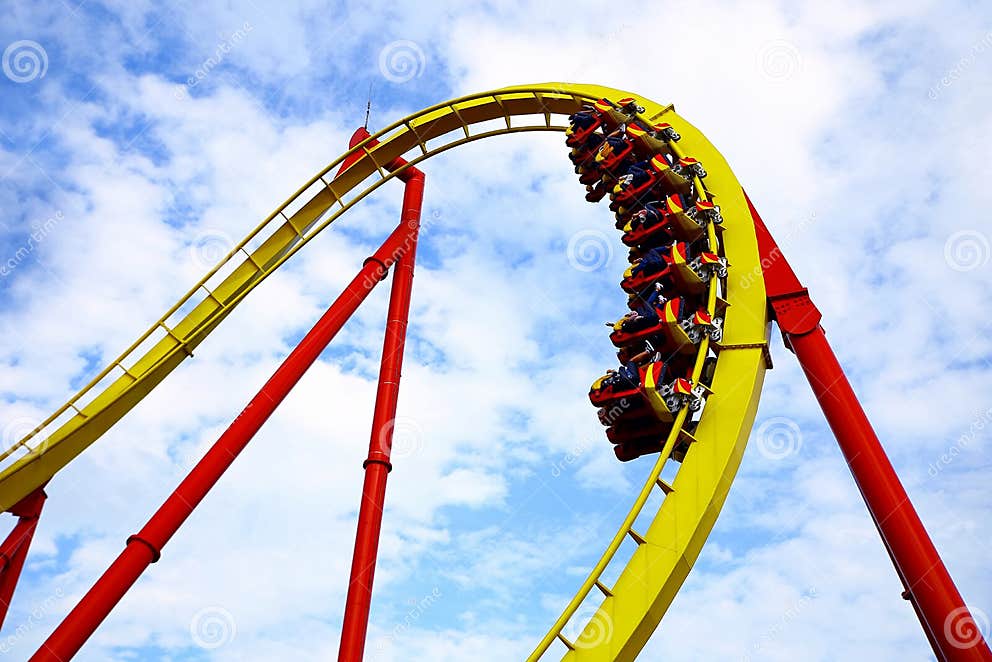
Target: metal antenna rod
(368, 107)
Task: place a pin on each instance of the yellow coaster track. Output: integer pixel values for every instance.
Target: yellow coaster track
(632, 608)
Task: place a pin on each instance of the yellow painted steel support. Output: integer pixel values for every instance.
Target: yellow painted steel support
(623, 622)
(666, 551)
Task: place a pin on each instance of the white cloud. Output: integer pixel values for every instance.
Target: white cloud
(822, 110)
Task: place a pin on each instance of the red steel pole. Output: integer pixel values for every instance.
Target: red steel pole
(14, 549)
(952, 631)
(145, 547)
(377, 466)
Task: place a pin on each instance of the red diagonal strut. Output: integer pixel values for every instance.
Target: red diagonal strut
(377, 466)
(953, 633)
(14, 549)
(145, 547)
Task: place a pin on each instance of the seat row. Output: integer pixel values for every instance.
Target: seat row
(664, 221)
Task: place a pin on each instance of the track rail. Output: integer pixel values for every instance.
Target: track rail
(666, 550)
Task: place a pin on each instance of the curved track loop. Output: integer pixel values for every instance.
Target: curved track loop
(633, 606)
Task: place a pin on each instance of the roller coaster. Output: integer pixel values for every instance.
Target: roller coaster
(705, 282)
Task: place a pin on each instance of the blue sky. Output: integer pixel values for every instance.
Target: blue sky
(146, 141)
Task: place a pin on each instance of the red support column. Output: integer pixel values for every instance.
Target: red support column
(145, 547)
(949, 626)
(377, 466)
(14, 550)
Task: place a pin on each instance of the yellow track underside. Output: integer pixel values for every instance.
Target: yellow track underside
(647, 585)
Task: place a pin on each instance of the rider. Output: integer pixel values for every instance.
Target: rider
(646, 218)
(652, 260)
(637, 173)
(627, 376)
(644, 314)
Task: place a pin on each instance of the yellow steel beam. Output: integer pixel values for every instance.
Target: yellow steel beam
(647, 584)
(667, 550)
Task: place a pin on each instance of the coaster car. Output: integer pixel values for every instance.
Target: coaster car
(648, 142)
(693, 267)
(682, 221)
(672, 326)
(636, 326)
(615, 155)
(661, 176)
(635, 184)
(640, 183)
(582, 125)
(652, 226)
(624, 395)
(623, 413)
(632, 430)
(638, 352)
(705, 324)
(601, 114)
(629, 106)
(650, 322)
(692, 220)
(664, 131)
(591, 172)
(679, 265)
(617, 387)
(660, 381)
(666, 396)
(583, 157)
(653, 266)
(677, 176)
(617, 114)
(596, 192)
(631, 450)
(690, 167)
